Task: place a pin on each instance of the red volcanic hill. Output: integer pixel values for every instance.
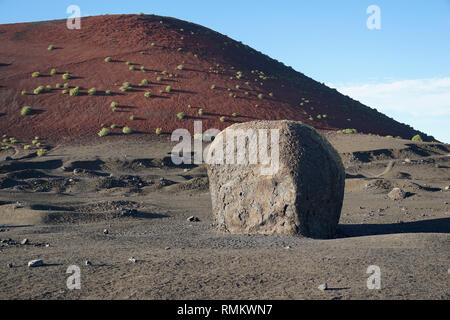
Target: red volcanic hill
(187, 67)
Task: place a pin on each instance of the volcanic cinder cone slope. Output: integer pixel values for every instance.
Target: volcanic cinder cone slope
(204, 69)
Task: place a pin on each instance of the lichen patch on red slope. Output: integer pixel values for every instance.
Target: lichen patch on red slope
(247, 84)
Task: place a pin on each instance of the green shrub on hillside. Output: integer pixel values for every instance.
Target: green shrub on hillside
(417, 138)
(35, 74)
(108, 59)
(74, 92)
(26, 111)
(158, 131)
(103, 132)
(50, 47)
(92, 91)
(348, 131)
(53, 72)
(126, 86)
(127, 130)
(39, 90)
(180, 115)
(66, 76)
(41, 152)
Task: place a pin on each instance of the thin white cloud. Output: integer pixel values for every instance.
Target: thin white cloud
(422, 97)
(422, 103)
(418, 98)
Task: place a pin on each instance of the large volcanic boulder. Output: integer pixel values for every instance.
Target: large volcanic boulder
(299, 191)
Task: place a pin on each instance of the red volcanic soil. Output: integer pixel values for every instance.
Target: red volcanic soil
(208, 58)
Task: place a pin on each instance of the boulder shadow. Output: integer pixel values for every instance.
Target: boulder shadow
(441, 225)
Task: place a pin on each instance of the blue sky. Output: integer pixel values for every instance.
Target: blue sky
(403, 69)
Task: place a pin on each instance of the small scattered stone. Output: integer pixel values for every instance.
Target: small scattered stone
(397, 194)
(8, 159)
(323, 287)
(446, 188)
(10, 265)
(287, 247)
(106, 231)
(88, 263)
(167, 248)
(407, 160)
(76, 171)
(47, 245)
(132, 259)
(193, 219)
(24, 242)
(35, 263)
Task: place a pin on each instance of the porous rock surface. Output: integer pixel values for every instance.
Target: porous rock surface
(304, 196)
